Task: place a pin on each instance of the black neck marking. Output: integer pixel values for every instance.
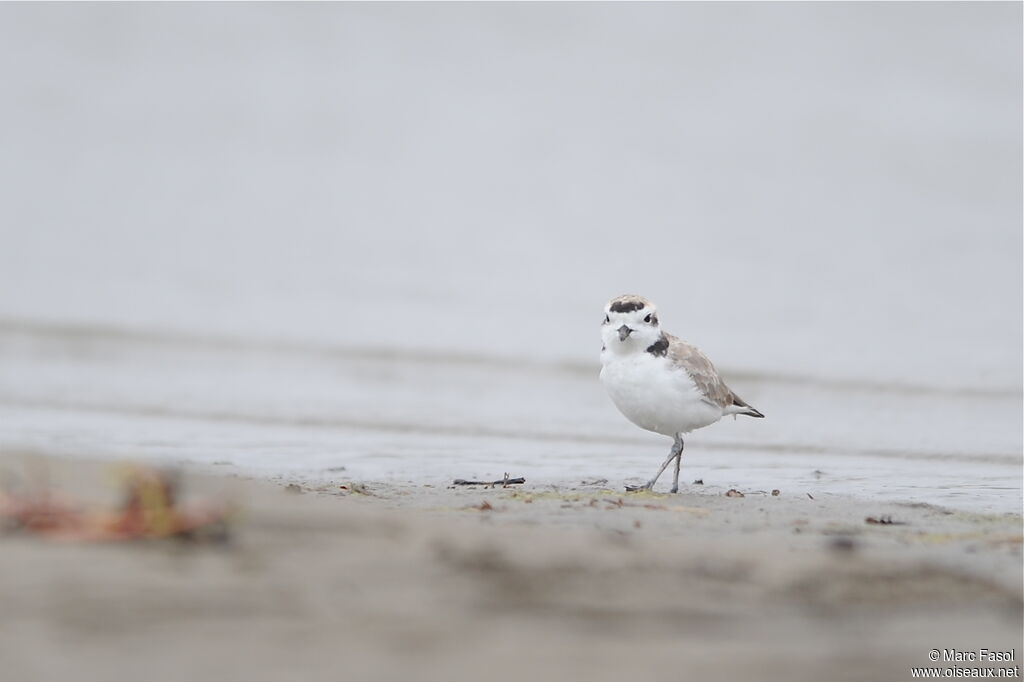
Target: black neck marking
(660, 347)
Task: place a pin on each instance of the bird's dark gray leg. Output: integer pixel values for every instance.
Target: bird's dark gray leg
(678, 449)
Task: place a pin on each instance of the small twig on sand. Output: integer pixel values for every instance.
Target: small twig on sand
(504, 482)
(884, 521)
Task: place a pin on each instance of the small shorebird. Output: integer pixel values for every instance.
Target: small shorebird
(660, 383)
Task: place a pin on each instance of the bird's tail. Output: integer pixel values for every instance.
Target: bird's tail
(744, 408)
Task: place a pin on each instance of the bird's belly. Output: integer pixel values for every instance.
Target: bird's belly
(655, 397)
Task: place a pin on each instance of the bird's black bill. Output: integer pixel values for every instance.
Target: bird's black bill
(624, 331)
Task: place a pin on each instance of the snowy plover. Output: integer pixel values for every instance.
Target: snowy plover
(660, 383)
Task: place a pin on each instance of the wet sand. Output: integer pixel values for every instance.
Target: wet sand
(406, 417)
(576, 580)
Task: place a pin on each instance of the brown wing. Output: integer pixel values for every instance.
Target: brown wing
(703, 373)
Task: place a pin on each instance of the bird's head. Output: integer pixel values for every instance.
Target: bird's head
(630, 324)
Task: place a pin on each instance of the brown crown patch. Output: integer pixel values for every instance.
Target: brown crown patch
(628, 303)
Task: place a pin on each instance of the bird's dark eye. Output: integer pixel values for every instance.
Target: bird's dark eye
(647, 319)
(606, 320)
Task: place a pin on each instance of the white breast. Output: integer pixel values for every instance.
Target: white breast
(654, 395)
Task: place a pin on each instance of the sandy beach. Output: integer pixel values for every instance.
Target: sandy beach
(325, 258)
(577, 580)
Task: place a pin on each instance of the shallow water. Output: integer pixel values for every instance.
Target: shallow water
(306, 412)
(380, 237)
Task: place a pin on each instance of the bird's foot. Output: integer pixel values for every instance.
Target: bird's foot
(674, 489)
(640, 488)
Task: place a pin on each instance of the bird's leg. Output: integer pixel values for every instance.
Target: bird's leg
(678, 449)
